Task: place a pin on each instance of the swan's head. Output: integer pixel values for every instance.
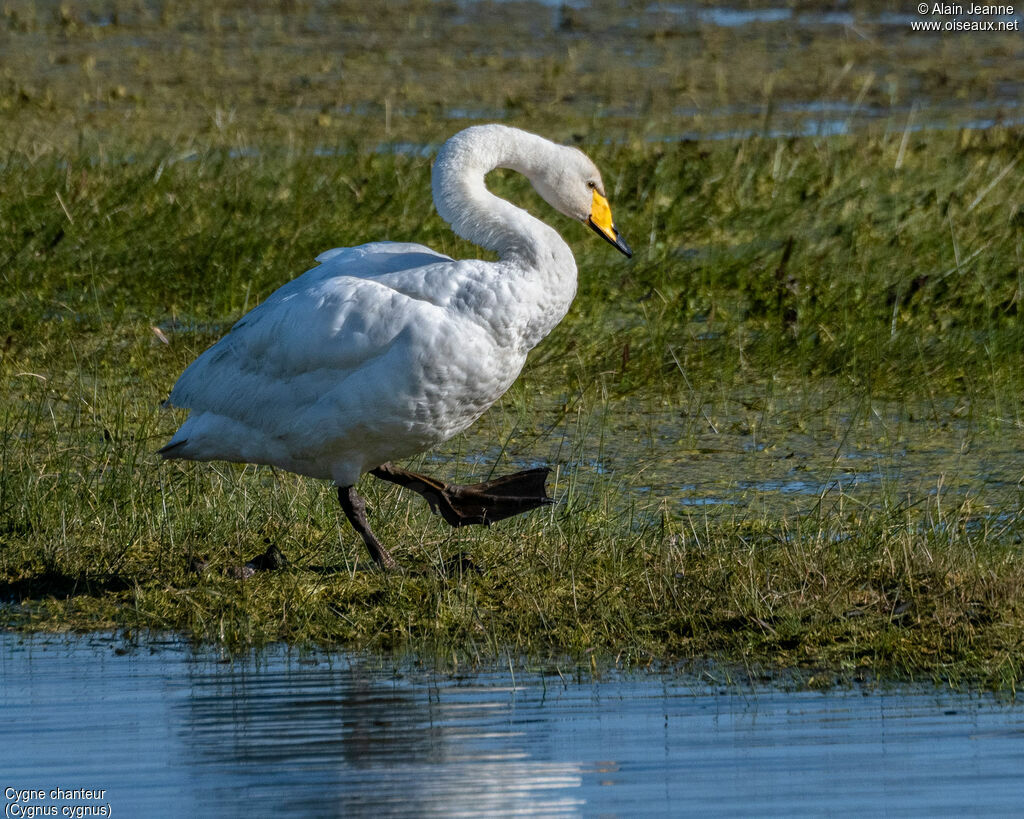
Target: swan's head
(573, 186)
(563, 175)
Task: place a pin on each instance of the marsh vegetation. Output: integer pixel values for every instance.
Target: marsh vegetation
(787, 434)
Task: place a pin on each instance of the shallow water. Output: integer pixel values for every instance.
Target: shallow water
(897, 87)
(166, 731)
(739, 454)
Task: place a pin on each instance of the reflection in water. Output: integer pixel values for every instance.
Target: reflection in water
(168, 732)
(368, 735)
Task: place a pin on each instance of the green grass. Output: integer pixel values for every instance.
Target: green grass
(788, 293)
(785, 435)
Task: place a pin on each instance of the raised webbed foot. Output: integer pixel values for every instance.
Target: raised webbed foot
(480, 503)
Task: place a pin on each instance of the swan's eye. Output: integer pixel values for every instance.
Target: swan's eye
(591, 184)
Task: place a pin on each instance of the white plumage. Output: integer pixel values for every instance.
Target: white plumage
(387, 349)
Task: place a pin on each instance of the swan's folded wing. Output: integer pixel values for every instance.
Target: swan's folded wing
(288, 352)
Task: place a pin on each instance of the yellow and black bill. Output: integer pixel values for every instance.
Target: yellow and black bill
(600, 221)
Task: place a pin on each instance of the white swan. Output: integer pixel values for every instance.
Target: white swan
(387, 349)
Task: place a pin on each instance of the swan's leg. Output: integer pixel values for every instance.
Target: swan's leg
(355, 510)
(487, 502)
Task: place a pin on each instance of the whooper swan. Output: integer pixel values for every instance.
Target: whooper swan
(387, 349)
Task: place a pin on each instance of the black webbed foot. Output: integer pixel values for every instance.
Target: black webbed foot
(479, 503)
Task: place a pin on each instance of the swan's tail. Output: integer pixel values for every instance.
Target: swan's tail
(169, 450)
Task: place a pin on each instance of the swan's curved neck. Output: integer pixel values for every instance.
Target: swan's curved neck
(462, 199)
